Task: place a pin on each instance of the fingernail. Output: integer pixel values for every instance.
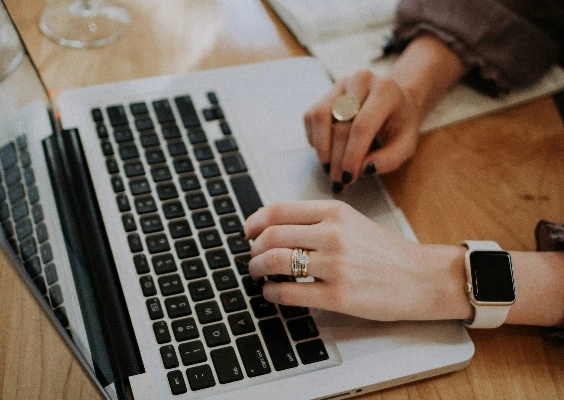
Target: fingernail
(327, 167)
(347, 177)
(337, 187)
(242, 232)
(370, 169)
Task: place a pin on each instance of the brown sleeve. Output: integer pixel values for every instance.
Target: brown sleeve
(503, 49)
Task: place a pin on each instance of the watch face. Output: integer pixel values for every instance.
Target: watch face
(492, 276)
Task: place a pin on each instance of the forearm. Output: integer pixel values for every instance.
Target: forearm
(426, 69)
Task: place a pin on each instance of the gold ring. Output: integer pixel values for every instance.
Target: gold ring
(345, 107)
(303, 260)
(296, 267)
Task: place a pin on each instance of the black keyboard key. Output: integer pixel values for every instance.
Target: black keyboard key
(135, 243)
(179, 229)
(226, 145)
(15, 193)
(185, 329)
(234, 164)
(177, 149)
(216, 335)
(155, 156)
(210, 170)
(164, 263)
(253, 356)
(246, 193)
(123, 202)
(200, 377)
(151, 223)
(176, 382)
(163, 111)
(212, 97)
(145, 205)
(173, 209)
(187, 112)
(170, 285)
(238, 245)
(182, 165)
(171, 132)
(40, 283)
(162, 334)
(141, 264)
(28, 248)
(97, 115)
(186, 248)
(123, 135)
(144, 124)
(226, 365)
(201, 290)
(278, 344)
(139, 186)
(223, 205)
(217, 187)
(208, 312)
(117, 115)
(61, 315)
(24, 228)
(192, 352)
(210, 238)
(107, 148)
(293, 311)
(117, 184)
(197, 136)
(102, 131)
(168, 355)
(302, 328)
(149, 139)
(20, 210)
(217, 258)
(196, 200)
(161, 173)
(147, 285)
(112, 166)
(225, 279)
(167, 191)
(312, 351)
(203, 153)
(193, 269)
(157, 243)
(203, 219)
(230, 224)
(138, 108)
(33, 266)
(56, 296)
(241, 323)
(189, 183)
(128, 152)
(134, 169)
(154, 308)
(262, 308)
(252, 287)
(177, 306)
(225, 128)
(51, 274)
(233, 301)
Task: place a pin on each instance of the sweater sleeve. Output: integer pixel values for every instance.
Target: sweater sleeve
(502, 48)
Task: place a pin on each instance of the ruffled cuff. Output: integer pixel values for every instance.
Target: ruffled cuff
(502, 49)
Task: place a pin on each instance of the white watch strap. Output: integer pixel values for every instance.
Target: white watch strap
(486, 316)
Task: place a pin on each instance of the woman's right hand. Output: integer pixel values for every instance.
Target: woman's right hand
(382, 135)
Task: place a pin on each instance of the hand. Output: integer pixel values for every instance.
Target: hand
(387, 115)
(359, 267)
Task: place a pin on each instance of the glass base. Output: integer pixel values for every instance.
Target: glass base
(11, 51)
(81, 26)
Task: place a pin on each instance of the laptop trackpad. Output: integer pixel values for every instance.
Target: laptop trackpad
(297, 175)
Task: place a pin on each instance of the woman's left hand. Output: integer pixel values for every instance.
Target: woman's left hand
(359, 267)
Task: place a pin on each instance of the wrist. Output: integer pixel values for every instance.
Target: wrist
(449, 299)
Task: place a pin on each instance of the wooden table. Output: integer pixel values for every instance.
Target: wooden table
(490, 178)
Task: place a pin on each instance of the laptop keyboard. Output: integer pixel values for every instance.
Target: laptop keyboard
(183, 200)
(23, 220)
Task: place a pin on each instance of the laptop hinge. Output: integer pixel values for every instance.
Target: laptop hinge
(94, 270)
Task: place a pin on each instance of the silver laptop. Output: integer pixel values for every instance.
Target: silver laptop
(123, 216)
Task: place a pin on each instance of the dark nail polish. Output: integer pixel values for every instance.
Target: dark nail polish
(242, 232)
(347, 177)
(327, 167)
(370, 169)
(337, 187)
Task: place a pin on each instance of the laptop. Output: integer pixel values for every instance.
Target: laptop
(122, 212)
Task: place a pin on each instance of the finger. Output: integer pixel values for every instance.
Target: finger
(279, 262)
(318, 122)
(286, 237)
(307, 294)
(338, 145)
(370, 119)
(295, 213)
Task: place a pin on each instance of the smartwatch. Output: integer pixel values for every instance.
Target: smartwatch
(489, 283)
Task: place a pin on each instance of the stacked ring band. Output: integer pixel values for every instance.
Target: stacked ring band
(300, 259)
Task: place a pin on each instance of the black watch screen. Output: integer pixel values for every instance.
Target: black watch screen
(492, 276)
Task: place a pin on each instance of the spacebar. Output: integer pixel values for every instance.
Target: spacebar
(246, 193)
